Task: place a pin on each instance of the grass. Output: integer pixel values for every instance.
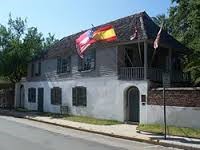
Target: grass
(22, 110)
(171, 130)
(84, 119)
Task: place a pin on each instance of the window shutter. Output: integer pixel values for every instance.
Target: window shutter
(59, 96)
(29, 95)
(39, 68)
(32, 70)
(78, 94)
(74, 96)
(34, 94)
(52, 96)
(69, 64)
(59, 65)
(84, 96)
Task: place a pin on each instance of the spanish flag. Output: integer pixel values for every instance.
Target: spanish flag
(106, 33)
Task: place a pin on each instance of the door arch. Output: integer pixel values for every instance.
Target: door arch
(21, 100)
(132, 108)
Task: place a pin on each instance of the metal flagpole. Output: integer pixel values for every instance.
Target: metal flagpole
(165, 122)
(166, 83)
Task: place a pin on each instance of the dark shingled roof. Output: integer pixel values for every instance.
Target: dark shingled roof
(124, 28)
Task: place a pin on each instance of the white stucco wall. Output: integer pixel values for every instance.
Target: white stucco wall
(105, 96)
(17, 94)
(178, 116)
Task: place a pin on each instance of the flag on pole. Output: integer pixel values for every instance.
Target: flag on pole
(84, 41)
(106, 33)
(89, 37)
(157, 40)
(132, 37)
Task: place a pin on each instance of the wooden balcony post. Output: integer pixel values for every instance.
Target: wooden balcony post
(170, 60)
(145, 61)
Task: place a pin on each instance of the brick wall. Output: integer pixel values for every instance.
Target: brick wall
(181, 97)
(6, 98)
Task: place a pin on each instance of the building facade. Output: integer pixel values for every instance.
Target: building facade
(111, 81)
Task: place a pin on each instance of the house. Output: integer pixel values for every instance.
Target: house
(111, 81)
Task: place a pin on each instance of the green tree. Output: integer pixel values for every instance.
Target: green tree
(18, 45)
(184, 24)
(162, 19)
(184, 19)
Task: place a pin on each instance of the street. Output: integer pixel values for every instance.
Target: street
(22, 134)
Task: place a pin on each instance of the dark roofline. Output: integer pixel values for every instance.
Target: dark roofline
(164, 33)
(124, 28)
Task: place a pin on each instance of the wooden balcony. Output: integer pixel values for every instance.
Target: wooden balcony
(131, 73)
(153, 74)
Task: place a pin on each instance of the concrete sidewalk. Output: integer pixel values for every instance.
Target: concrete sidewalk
(124, 131)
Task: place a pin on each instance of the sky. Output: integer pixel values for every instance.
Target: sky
(65, 17)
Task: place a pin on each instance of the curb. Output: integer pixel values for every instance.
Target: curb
(105, 134)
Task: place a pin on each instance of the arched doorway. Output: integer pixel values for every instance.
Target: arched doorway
(21, 101)
(132, 104)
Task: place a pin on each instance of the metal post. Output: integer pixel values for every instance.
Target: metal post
(145, 61)
(165, 122)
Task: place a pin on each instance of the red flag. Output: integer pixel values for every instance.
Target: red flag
(106, 33)
(157, 40)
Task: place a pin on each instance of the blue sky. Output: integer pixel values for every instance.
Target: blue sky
(65, 17)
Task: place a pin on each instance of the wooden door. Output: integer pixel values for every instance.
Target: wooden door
(40, 99)
(133, 104)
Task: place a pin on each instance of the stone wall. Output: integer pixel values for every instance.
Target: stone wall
(180, 97)
(6, 98)
(183, 107)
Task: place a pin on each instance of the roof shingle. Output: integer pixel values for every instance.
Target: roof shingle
(124, 28)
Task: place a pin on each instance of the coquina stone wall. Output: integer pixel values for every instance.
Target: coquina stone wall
(182, 107)
(180, 97)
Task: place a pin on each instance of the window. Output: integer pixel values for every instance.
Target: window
(32, 70)
(56, 96)
(63, 65)
(87, 62)
(79, 96)
(32, 95)
(38, 67)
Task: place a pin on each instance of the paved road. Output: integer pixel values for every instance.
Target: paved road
(22, 134)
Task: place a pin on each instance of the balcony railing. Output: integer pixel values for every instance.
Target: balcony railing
(177, 76)
(153, 74)
(131, 73)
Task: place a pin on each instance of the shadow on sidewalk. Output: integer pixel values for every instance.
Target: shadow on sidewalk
(24, 114)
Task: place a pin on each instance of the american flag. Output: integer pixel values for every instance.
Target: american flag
(84, 41)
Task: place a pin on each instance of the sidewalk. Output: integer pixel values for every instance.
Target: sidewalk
(124, 131)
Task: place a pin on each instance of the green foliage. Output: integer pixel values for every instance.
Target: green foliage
(82, 119)
(184, 19)
(184, 24)
(18, 45)
(171, 130)
(162, 19)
